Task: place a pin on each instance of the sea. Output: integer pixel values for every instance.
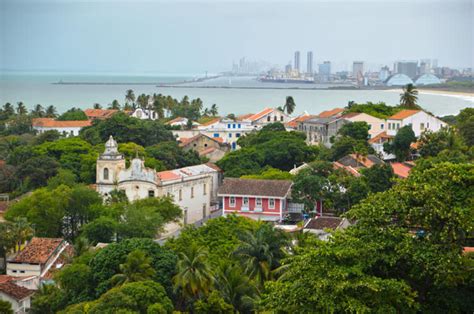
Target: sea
(237, 95)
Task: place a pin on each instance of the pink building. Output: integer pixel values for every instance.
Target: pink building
(258, 199)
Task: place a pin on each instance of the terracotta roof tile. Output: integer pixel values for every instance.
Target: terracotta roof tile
(38, 250)
(99, 113)
(380, 138)
(401, 170)
(15, 291)
(207, 151)
(350, 115)
(403, 114)
(294, 122)
(468, 249)
(216, 120)
(6, 278)
(52, 123)
(168, 175)
(271, 188)
(321, 223)
(177, 119)
(330, 113)
(349, 169)
(260, 114)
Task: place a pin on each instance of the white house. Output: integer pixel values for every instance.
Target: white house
(227, 129)
(68, 128)
(268, 115)
(36, 262)
(181, 121)
(144, 114)
(419, 120)
(193, 188)
(17, 295)
(376, 125)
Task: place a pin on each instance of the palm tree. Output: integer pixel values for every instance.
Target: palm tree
(214, 112)
(115, 105)
(236, 288)
(51, 112)
(20, 108)
(261, 251)
(38, 111)
(194, 276)
(136, 268)
(97, 106)
(289, 105)
(409, 97)
(159, 108)
(130, 98)
(22, 231)
(206, 112)
(8, 109)
(143, 100)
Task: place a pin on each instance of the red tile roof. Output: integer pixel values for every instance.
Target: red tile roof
(211, 122)
(401, 170)
(213, 166)
(52, 123)
(468, 249)
(269, 188)
(168, 175)
(330, 113)
(294, 122)
(350, 115)
(207, 151)
(260, 114)
(188, 140)
(6, 278)
(403, 114)
(15, 291)
(177, 119)
(38, 250)
(99, 113)
(380, 138)
(321, 223)
(350, 169)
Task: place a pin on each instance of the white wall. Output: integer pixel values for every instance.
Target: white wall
(70, 131)
(429, 123)
(20, 269)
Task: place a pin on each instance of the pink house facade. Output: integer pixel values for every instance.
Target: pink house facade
(257, 199)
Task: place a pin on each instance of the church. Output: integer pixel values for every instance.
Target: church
(193, 188)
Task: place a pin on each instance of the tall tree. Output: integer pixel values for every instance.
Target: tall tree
(8, 109)
(130, 97)
(400, 146)
(22, 231)
(409, 97)
(21, 108)
(51, 112)
(289, 105)
(38, 111)
(193, 277)
(214, 110)
(97, 106)
(136, 268)
(115, 105)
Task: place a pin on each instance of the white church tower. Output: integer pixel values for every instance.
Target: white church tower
(109, 165)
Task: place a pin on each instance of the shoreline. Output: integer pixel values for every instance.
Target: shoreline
(438, 92)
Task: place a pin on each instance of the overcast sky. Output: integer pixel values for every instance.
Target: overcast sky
(195, 36)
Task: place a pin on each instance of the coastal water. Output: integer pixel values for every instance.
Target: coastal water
(232, 95)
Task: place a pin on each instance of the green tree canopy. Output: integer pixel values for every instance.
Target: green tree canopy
(73, 114)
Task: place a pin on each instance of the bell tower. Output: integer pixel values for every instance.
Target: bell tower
(109, 165)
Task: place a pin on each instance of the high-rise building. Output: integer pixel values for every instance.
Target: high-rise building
(358, 69)
(425, 66)
(288, 68)
(309, 63)
(325, 70)
(409, 68)
(384, 73)
(297, 61)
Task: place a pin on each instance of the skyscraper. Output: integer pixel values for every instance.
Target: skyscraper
(297, 61)
(325, 71)
(358, 69)
(309, 63)
(409, 68)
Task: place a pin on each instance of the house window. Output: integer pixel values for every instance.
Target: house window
(381, 126)
(151, 193)
(281, 118)
(237, 134)
(204, 189)
(370, 126)
(398, 126)
(258, 202)
(422, 126)
(106, 173)
(194, 144)
(269, 119)
(216, 135)
(228, 126)
(233, 126)
(192, 192)
(427, 125)
(22, 271)
(271, 203)
(238, 125)
(230, 134)
(246, 202)
(180, 195)
(14, 271)
(232, 201)
(274, 118)
(205, 145)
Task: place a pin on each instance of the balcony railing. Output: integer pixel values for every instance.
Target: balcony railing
(295, 207)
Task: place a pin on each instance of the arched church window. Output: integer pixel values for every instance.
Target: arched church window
(106, 173)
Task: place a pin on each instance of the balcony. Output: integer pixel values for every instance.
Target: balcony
(295, 207)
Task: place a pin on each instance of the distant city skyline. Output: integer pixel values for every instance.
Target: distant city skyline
(199, 36)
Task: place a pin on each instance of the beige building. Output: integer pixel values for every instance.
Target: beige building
(212, 148)
(193, 188)
(376, 125)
